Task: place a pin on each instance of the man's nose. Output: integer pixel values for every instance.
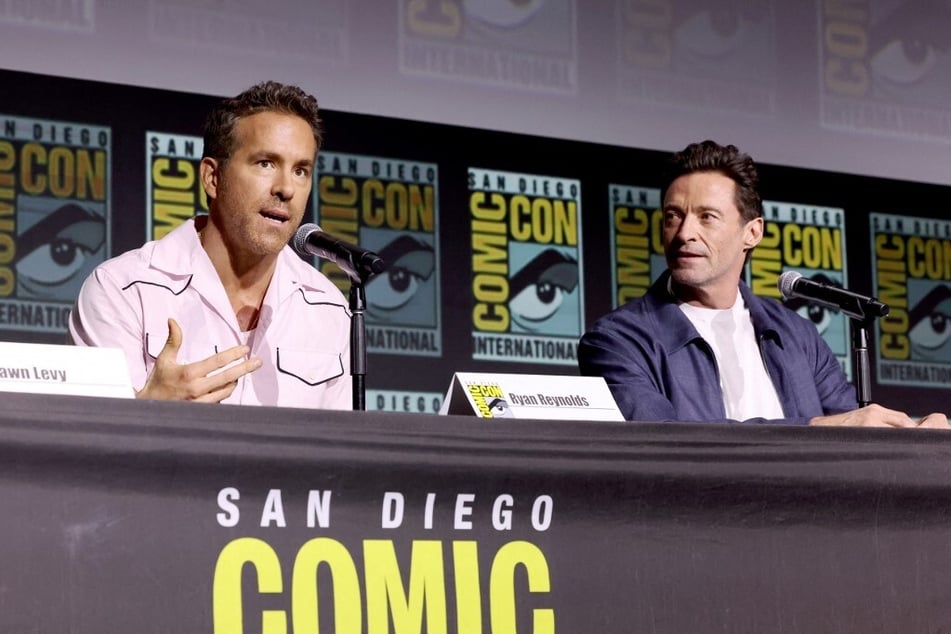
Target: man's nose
(687, 230)
(283, 185)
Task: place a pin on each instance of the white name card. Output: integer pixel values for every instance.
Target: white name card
(51, 369)
(539, 396)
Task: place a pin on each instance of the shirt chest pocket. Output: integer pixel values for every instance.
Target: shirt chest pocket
(310, 367)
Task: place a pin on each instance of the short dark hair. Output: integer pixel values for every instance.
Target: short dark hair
(709, 156)
(268, 96)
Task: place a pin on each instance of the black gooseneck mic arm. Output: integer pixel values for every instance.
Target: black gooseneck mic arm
(360, 265)
(862, 311)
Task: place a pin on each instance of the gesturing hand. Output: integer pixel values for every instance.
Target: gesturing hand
(172, 381)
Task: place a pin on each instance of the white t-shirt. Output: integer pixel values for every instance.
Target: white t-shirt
(747, 389)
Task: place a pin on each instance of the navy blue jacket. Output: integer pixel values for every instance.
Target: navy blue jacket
(660, 369)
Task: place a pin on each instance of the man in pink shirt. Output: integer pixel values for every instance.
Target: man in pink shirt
(221, 309)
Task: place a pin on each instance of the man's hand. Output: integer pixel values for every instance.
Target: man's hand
(172, 381)
(935, 421)
(877, 416)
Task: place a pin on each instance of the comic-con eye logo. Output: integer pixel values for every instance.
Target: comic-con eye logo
(502, 13)
(894, 49)
(929, 325)
(410, 263)
(500, 408)
(54, 218)
(489, 401)
(539, 288)
(912, 267)
(526, 267)
(718, 30)
(56, 254)
(653, 33)
(908, 43)
(391, 207)
(820, 316)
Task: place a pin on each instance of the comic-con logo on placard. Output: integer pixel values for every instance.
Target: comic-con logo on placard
(884, 67)
(173, 191)
(710, 56)
(811, 241)
(912, 268)
(527, 44)
(489, 400)
(55, 181)
(637, 248)
(526, 267)
(391, 207)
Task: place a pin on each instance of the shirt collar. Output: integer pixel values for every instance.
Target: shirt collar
(675, 331)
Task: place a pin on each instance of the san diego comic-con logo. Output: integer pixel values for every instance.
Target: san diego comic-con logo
(637, 249)
(526, 267)
(489, 400)
(489, 569)
(389, 206)
(811, 241)
(173, 188)
(912, 274)
(55, 180)
(884, 66)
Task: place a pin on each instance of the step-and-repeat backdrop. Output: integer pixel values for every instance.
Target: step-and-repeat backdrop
(500, 247)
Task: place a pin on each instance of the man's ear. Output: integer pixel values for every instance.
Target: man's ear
(208, 171)
(754, 233)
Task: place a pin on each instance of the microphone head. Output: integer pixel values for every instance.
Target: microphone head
(299, 241)
(786, 282)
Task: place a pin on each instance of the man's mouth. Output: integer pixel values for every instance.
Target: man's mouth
(275, 215)
(686, 255)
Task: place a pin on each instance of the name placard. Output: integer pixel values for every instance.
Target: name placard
(76, 370)
(539, 396)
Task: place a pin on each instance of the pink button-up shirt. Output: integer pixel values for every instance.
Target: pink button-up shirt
(302, 336)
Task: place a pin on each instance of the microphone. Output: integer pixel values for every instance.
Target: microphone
(792, 284)
(357, 262)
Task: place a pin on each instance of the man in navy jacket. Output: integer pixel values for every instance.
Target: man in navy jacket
(699, 346)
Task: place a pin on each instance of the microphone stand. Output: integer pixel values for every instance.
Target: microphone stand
(359, 268)
(358, 343)
(359, 265)
(860, 354)
(863, 313)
